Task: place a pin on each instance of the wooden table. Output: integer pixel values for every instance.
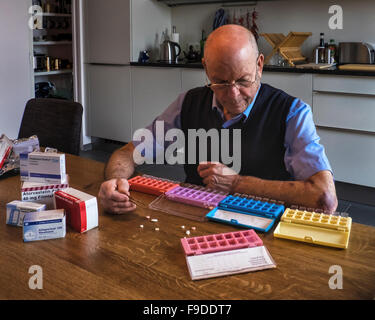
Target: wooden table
(118, 260)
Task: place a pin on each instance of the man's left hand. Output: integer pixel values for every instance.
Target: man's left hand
(218, 176)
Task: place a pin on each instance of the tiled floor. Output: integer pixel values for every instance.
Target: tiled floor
(357, 201)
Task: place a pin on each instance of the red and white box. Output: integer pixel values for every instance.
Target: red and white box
(42, 192)
(5, 149)
(81, 208)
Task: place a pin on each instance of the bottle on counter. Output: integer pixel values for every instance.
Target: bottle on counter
(333, 50)
(320, 51)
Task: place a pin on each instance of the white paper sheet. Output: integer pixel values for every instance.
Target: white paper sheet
(242, 218)
(229, 262)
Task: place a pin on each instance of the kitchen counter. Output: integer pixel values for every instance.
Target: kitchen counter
(198, 65)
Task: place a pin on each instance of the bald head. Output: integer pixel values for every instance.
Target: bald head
(230, 43)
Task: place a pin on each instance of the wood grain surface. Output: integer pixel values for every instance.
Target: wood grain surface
(119, 260)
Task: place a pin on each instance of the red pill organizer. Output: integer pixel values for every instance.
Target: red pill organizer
(151, 185)
(225, 254)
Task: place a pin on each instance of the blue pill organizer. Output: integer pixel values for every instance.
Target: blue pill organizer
(247, 212)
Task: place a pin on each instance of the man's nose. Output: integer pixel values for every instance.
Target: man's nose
(233, 91)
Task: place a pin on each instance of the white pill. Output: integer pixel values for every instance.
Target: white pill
(193, 228)
(141, 226)
(148, 217)
(187, 232)
(154, 220)
(157, 229)
(182, 227)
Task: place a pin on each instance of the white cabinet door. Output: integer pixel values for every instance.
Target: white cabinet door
(107, 31)
(109, 102)
(154, 89)
(351, 154)
(296, 84)
(192, 78)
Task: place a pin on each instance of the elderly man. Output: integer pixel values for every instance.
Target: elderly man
(281, 157)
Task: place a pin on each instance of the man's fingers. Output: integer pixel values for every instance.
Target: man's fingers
(119, 197)
(123, 186)
(123, 210)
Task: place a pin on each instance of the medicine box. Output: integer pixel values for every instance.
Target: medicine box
(5, 149)
(151, 185)
(43, 167)
(44, 225)
(247, 212)
(196, 195)
(313, 227)
(81, 208)
(42, 192)
(16, 211)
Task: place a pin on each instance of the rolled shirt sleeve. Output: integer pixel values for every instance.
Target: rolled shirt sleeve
(171, 119)
(304, 155)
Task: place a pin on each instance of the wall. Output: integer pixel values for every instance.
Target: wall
(284, 16)
(15, 65)
(149, 19)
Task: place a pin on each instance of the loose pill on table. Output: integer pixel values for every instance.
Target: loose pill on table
(141, 226)
(148, 217)
(193, 228)
(154, 220)
(182, 227)
(187, 232)
(157, 229)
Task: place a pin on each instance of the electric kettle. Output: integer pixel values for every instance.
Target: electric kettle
(169, 51)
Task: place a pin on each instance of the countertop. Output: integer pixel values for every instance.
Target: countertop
(198, 65)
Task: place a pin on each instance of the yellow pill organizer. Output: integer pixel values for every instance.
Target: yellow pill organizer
(314, 227)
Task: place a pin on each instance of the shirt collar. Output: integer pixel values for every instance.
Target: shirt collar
(243, 115)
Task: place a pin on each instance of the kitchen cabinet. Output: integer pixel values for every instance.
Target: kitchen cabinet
(351, 154)
(109, 97)
(344, 113)
(154, 89)
(107, 31)
(296, 84)
(192, 78)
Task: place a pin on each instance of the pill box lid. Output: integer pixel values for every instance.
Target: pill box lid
(252, 206)
(44, 215)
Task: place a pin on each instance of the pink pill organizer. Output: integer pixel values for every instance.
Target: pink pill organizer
(196, 195)
(225, 254)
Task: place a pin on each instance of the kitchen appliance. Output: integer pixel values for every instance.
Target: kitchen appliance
(169, 51)
(356, 52)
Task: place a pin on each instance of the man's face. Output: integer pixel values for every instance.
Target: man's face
(244, 75)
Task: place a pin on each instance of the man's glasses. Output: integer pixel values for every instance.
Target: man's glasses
(239, 84)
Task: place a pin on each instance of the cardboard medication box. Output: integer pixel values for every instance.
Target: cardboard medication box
(44, 225)
(42, 192)
(43, 167)
(81, 208)
(16, 211)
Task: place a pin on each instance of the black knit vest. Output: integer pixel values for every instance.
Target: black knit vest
(262, 134)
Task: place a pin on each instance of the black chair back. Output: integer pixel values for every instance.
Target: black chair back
(57, 123)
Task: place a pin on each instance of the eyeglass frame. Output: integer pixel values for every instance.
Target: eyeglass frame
(226, 85)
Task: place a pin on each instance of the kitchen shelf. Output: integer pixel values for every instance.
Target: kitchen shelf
(54, 14)
(55, 72)
(51, 43)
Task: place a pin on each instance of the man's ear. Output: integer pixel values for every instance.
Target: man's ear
(204, 66)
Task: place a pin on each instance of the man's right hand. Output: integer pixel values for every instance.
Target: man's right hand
(114, 196)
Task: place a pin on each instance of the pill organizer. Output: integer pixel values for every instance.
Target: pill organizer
(314, 227)
(175, 208)
(225, 254)
(248, 212)
(220, 242)
(151, 185)
(196, 195)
